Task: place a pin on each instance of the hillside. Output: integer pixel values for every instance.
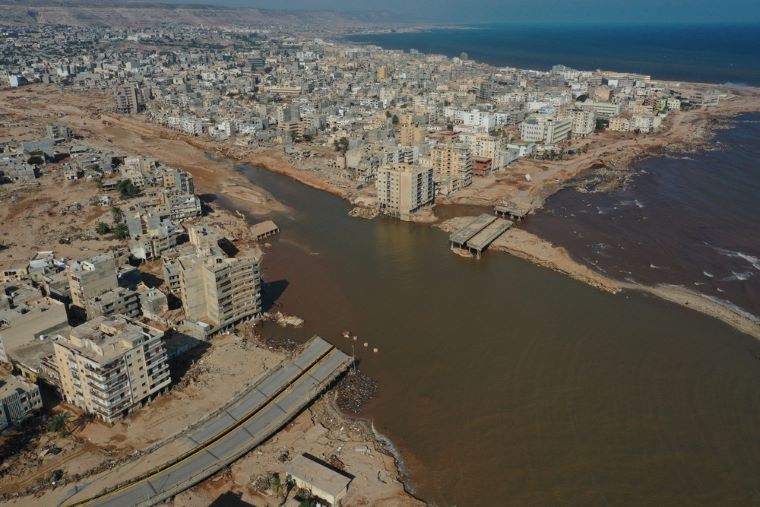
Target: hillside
(139, 14)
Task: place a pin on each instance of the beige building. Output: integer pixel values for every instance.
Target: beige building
(121, 301)
(452, 166)
(584, 122)
(91, 277)
(619, 124)
(411, 135)
(218, 290)
(110, 365)
(403, 189)
(19, 399)
(321, 481)
(179, 180)
(23, 323)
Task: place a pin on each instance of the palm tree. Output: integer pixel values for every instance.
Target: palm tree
(59, 424)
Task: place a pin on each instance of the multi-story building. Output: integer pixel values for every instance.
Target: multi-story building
(179, 180)
(56, 131)
(19, 399)
(404, 188)
(152, 232)
(110, 365)
(645, 123)
(118, 301)
(452, 166)
(411, 135)
(619, 124)
(218, 290)
(486, 146)
(584, 122)
(601, 109)
(23, 323)
(128, 99)
(153, 303)
(91, 277)
(181, 206)
(545, 129)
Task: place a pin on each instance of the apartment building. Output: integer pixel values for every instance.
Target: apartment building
(110, 365)
(601, 109)
(91, 277)
(19, 399)
(645, 123)
(128, 99)
(181, 206)
(152, 232)
(403, 189)
(24, 322)
(411, 135)
(486, 146)
(118, 301)
(545, 129)
(218, 290)
(619, 124)
(452, 166)
(179, 180)
(584, 122)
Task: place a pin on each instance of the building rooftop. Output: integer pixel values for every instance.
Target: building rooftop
(12, 384)
(105, 338)
(318, 475)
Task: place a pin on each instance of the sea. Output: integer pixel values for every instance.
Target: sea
(708, 53)
(504, 383)
(687, 219)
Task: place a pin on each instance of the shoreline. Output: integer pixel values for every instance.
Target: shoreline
(543, 253)
(692, 131)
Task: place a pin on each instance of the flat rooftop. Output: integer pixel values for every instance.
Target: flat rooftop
(318, 475)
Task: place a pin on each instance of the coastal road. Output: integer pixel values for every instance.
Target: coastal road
(233, 432)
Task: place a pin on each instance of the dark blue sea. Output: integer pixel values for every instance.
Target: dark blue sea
(719, 53)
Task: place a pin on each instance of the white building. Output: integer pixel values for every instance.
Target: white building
(546, 130)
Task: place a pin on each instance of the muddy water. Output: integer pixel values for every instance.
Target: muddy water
(690, 219)
(502, 383)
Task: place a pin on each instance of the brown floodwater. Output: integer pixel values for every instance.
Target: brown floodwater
(502, 383)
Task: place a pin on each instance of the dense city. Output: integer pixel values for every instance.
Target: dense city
(124, 273)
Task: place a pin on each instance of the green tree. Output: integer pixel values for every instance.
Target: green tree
(59, 424)
(127, 189)
(102, 228)
(341, 145)
(35, 160)
(395, 119)
(121, 231)
(118, 215)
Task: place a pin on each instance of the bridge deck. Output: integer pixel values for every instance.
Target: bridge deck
(259, 413)
(463, 235)
(481, 240)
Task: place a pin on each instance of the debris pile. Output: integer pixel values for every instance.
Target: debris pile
(366, 213)
(354, 390)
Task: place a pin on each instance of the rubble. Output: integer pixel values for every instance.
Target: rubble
(354, 390)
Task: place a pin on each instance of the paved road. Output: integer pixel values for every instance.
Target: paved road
(224, 438)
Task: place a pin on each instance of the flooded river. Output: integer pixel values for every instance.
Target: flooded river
(503, 383)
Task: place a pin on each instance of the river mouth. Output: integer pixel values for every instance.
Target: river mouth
(502, 380)
(686, 219)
